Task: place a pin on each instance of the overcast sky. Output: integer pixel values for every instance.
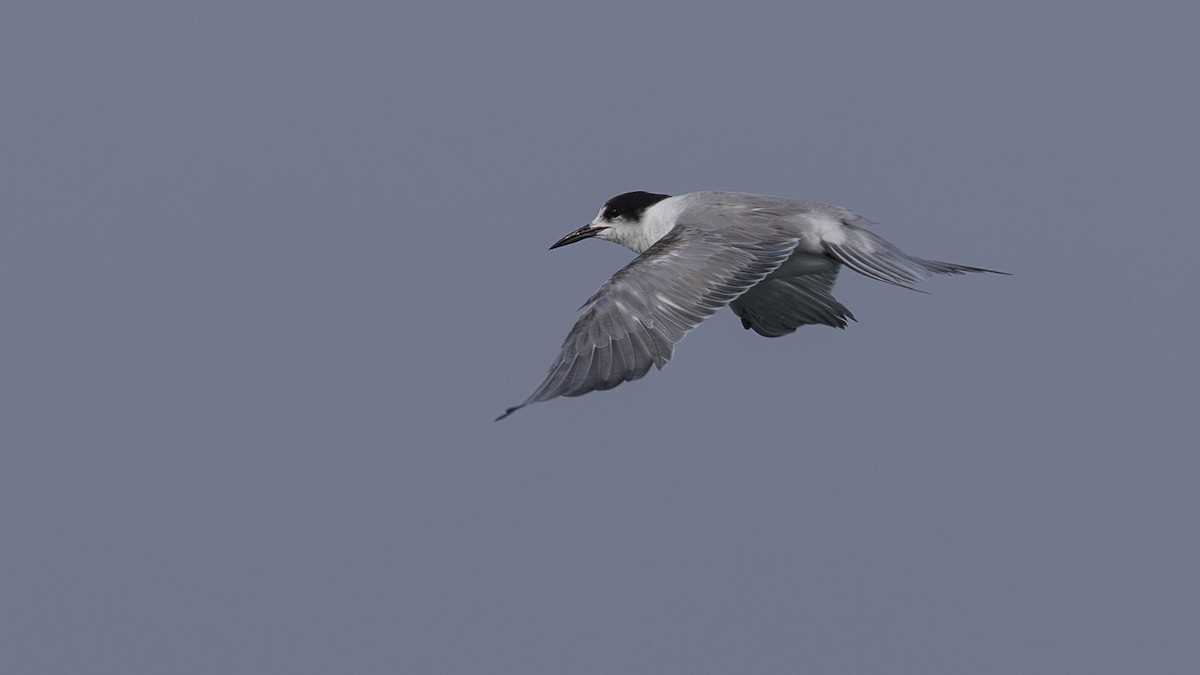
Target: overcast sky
(268, 271)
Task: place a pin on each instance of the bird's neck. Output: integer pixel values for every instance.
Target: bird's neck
(656, 222)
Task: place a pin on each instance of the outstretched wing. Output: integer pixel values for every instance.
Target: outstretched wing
(638, 315)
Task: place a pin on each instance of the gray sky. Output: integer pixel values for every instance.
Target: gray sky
(269, 271)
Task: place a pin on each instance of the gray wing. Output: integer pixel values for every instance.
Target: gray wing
(779, 305)
(638, 315)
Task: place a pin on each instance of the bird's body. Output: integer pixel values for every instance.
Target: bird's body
(773, 260)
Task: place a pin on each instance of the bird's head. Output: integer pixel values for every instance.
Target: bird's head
(620, 220)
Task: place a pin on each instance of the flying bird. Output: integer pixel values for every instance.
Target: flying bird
(773, 260)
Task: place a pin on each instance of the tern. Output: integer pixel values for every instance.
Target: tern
(773, 260)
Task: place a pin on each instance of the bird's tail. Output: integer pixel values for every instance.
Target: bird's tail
(870, 255)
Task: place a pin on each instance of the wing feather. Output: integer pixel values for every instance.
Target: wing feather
(779, 305)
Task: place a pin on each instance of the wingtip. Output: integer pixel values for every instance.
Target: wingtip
(508, 412)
